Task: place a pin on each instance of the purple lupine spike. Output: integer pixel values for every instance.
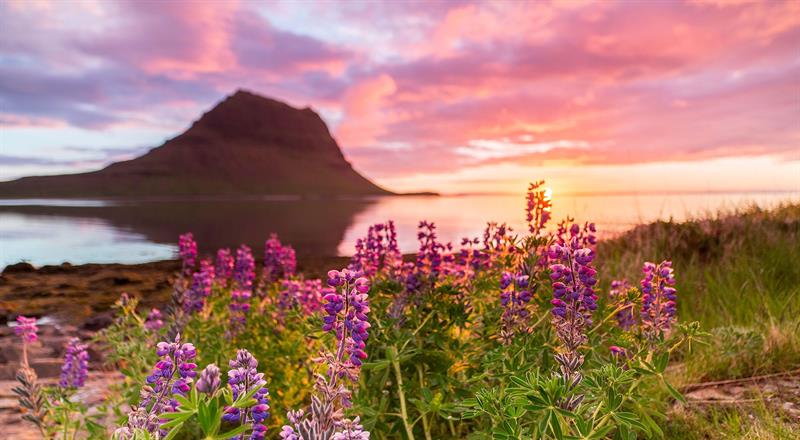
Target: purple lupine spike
(377, 251)
(239, 308)
(350, 430)
(194, 299)
(154, 321)
(243, 377)
(244, 272)
(76, 365)
(209, 380)
(279, 260)
(26, 329)
(225, 264)
(172, 374)
(515, 297)
(187, 250)
(659, 297)
(538, 207)
(573, 302)
(619, 295)
(346, 315)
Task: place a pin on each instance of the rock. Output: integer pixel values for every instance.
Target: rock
(21, 267)
(98, 321)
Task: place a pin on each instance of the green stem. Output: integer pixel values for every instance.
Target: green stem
(425, 426)
(400, 393)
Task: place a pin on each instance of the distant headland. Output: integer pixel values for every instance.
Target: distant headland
(246, 145)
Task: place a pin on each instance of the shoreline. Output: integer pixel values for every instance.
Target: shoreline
(82, 294)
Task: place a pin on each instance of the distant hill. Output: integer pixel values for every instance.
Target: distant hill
(246, 145)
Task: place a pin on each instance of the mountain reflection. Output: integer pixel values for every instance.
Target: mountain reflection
(311, 226)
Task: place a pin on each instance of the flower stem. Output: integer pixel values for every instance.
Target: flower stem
(400, 393)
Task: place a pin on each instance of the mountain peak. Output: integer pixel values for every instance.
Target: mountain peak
(246, 144)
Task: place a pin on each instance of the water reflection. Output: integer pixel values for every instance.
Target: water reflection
(49, 232)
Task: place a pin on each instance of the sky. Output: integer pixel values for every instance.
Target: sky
(455, 97)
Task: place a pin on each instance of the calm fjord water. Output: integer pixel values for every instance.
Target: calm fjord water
(91, 231)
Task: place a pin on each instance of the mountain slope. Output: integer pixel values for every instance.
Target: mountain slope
(246, 145)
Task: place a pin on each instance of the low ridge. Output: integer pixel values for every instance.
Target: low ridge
(246, 145)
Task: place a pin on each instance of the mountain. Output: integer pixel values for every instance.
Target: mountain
(246, 145)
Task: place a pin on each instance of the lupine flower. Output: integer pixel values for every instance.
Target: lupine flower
(616, 351)
(239, 307)
(243, 377)
(346, 312)
(658, 298)
(346, 315)
(515, 297)
(538, 207)
(225, 264)
(619, 294)
(304, 294)
(585, 235)
(194, 299)
(351, 430)
(76, 365)
(172, 375)
(377, 251)
(244, 272)
(209, 380)
(187, 250)
(26, 329)
(154, 321)
(279, 260)
(573, 302)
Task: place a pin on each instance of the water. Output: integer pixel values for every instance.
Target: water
(43, 231)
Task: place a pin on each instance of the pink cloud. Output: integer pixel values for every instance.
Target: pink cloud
(454, 84)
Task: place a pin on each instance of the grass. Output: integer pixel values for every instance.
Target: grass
(738, 274)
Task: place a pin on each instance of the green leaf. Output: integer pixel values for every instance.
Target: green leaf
(675, 393)
(232, 433)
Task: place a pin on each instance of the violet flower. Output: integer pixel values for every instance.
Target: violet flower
(76, 365)
(187, 250)
(538, 208)
(658, 298)
(279, 260)
(515, 297)
(172, 375)
(244, 272)
(26, 329)
(573, 302)
(194, 298)
(346, 315)
(243, 377)
(619, 295)
(377, 251)
(209, 380)
(239, 307)
(225, 264)
(154, 321)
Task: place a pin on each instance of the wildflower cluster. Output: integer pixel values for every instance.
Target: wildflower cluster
(658, 298)
(187, 251)
(377, 251)
(26, 329)
(76, 365)
(305, 295)
(619, 295)
(537, 208)
(244, 271)
(573, 302)
(279, 260)
(195, 297)
(515, 297)
(244, 379)
(224, 264)
(171, 376)
(154, 321)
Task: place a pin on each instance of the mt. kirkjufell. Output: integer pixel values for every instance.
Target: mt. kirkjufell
(246, 145)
